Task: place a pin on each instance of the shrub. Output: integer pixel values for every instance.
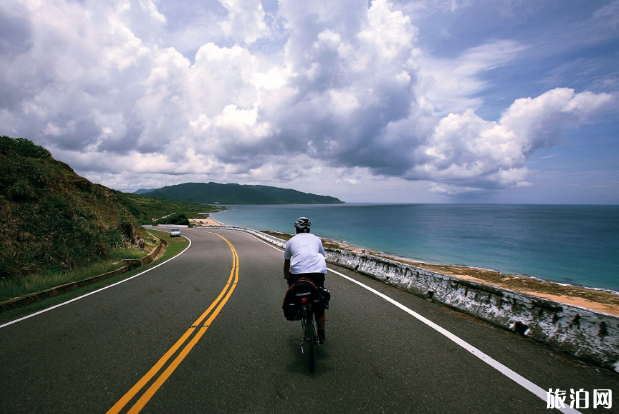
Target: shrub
(175, 219)
(22, 147)
(126, 227)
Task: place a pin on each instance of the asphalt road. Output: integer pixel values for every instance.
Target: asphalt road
(91, 355)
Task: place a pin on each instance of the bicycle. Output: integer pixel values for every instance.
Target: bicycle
(309, 331)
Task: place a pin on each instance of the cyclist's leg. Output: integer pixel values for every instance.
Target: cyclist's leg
(320, 327)
(319, 280)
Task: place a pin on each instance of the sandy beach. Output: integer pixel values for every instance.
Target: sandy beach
(207, 221)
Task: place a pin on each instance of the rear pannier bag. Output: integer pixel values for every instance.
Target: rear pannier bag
(326, 296)
(304, 288)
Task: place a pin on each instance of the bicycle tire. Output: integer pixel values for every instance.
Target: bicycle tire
(310, 334)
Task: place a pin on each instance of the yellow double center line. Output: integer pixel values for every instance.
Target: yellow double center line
(197, 327)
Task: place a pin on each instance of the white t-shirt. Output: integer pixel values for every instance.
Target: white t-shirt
(306, 254)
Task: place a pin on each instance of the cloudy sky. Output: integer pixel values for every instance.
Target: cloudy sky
(512, 101)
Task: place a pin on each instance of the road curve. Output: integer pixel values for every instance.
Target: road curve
(86, 356)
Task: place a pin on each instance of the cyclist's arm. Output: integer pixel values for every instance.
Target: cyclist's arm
(286, 268)
(321, 249)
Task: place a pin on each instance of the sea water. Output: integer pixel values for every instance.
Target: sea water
(567, 244)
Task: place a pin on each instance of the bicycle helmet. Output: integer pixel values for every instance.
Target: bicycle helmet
(303, 224)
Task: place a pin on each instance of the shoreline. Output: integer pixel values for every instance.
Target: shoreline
(208, 222)
(596, 299)
(601, 300)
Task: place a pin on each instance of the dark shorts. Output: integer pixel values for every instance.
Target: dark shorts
(317, 278)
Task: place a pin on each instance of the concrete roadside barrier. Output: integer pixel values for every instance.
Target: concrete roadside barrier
(585, 334)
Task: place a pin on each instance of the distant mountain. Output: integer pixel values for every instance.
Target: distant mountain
(144, 190)
(213, 193)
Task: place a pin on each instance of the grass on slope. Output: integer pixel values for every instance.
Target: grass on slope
(175, 246)
(37, 282)
(50, 217)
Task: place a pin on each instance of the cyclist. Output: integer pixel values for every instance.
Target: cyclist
(305, 257)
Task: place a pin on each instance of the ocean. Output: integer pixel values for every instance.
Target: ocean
(571, 244)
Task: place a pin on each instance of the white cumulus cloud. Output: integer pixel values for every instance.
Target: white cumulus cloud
(466, 149)
(342, 89)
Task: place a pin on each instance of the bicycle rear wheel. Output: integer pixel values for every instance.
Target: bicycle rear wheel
(310, 335)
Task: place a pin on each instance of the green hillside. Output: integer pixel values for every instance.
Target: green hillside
(50, 217)
(213, 193)
(53, 220)
(149, 210)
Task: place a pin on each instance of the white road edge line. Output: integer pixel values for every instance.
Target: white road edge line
(268, 244)
(519, 379)
(96, 291)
